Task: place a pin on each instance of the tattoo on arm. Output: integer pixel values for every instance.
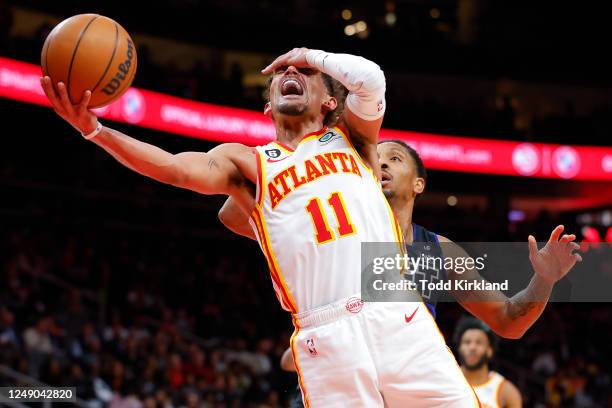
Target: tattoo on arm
(524, 302)
(519, 308)
(213, 163)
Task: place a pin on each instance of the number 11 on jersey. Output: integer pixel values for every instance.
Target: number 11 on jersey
(323, 232)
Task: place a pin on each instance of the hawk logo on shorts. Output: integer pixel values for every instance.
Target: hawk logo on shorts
(354, 305)
(380, 106)
(273, 153)
(311, 347)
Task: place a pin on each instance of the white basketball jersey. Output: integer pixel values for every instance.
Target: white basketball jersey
(488, 393)
(315, 206)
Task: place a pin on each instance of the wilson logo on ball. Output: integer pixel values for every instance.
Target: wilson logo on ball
(122, 70)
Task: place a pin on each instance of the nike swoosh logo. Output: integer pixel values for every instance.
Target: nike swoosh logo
(409, 318)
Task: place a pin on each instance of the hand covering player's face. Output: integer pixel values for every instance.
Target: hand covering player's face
(399, 177)
(299, 91)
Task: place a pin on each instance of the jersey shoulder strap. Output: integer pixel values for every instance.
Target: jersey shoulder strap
(420, 234)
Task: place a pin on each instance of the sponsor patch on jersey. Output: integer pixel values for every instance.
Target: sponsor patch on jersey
(328, 138)
(273, 153)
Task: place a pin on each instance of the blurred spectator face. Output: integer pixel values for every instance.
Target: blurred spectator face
(6, 318)
(220, 383)
(199, 359)
(161, 397)
(88, 330)
(149, 402)
(76, 371)
(44, 325)
(265, 346)
(192, 400)
(54, 367)
(474, 349)
(175, 361)
(117, 369)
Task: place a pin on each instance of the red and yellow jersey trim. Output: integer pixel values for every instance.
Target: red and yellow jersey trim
(306, 137)
(261, 176)
(283, 147)
(498, 393)
(283, 292)
(296, 362)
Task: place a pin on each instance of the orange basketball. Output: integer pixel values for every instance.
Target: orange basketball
(90, 52)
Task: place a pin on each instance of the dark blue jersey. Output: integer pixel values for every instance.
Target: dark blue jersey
(426, 244)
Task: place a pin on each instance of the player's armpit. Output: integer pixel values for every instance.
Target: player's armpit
(235, 219)
(510, 395)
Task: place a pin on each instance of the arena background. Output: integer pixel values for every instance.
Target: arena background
(135, 293)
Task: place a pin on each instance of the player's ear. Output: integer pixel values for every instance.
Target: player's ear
(268, 109)
(489, 352)
(419, 185)
(330, 103)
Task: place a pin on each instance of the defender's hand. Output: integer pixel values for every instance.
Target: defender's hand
(556, 258)
(295, 57)
(78, 116)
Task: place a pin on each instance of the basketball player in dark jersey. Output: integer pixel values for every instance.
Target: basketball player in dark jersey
(403, 179)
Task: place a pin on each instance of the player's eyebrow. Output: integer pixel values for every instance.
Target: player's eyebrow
(398, 151)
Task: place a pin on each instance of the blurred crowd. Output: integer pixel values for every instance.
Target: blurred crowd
(151, 321)
(125, 337)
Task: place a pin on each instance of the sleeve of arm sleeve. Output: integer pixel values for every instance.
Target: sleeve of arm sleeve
(363, 78)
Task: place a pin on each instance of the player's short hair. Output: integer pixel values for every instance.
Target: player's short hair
(335, 89)
(420, 167)
(467, 323)
(338, 91)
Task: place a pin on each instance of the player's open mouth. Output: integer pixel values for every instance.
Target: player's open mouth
(291, 86)
(385, 179)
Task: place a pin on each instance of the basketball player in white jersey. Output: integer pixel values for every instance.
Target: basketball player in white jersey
(403, 179)
(475, 344)
(313, 197)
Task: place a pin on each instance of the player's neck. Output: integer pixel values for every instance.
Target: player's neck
(403, 214)
(290, 129)
(478, 376)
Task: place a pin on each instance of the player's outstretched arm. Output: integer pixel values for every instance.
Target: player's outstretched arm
(215, 172)
(512, 317)
(235, 219)
(365, 81)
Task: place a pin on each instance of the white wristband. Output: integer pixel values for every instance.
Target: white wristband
(93, 134)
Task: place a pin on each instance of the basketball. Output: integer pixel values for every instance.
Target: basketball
(90, 52)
